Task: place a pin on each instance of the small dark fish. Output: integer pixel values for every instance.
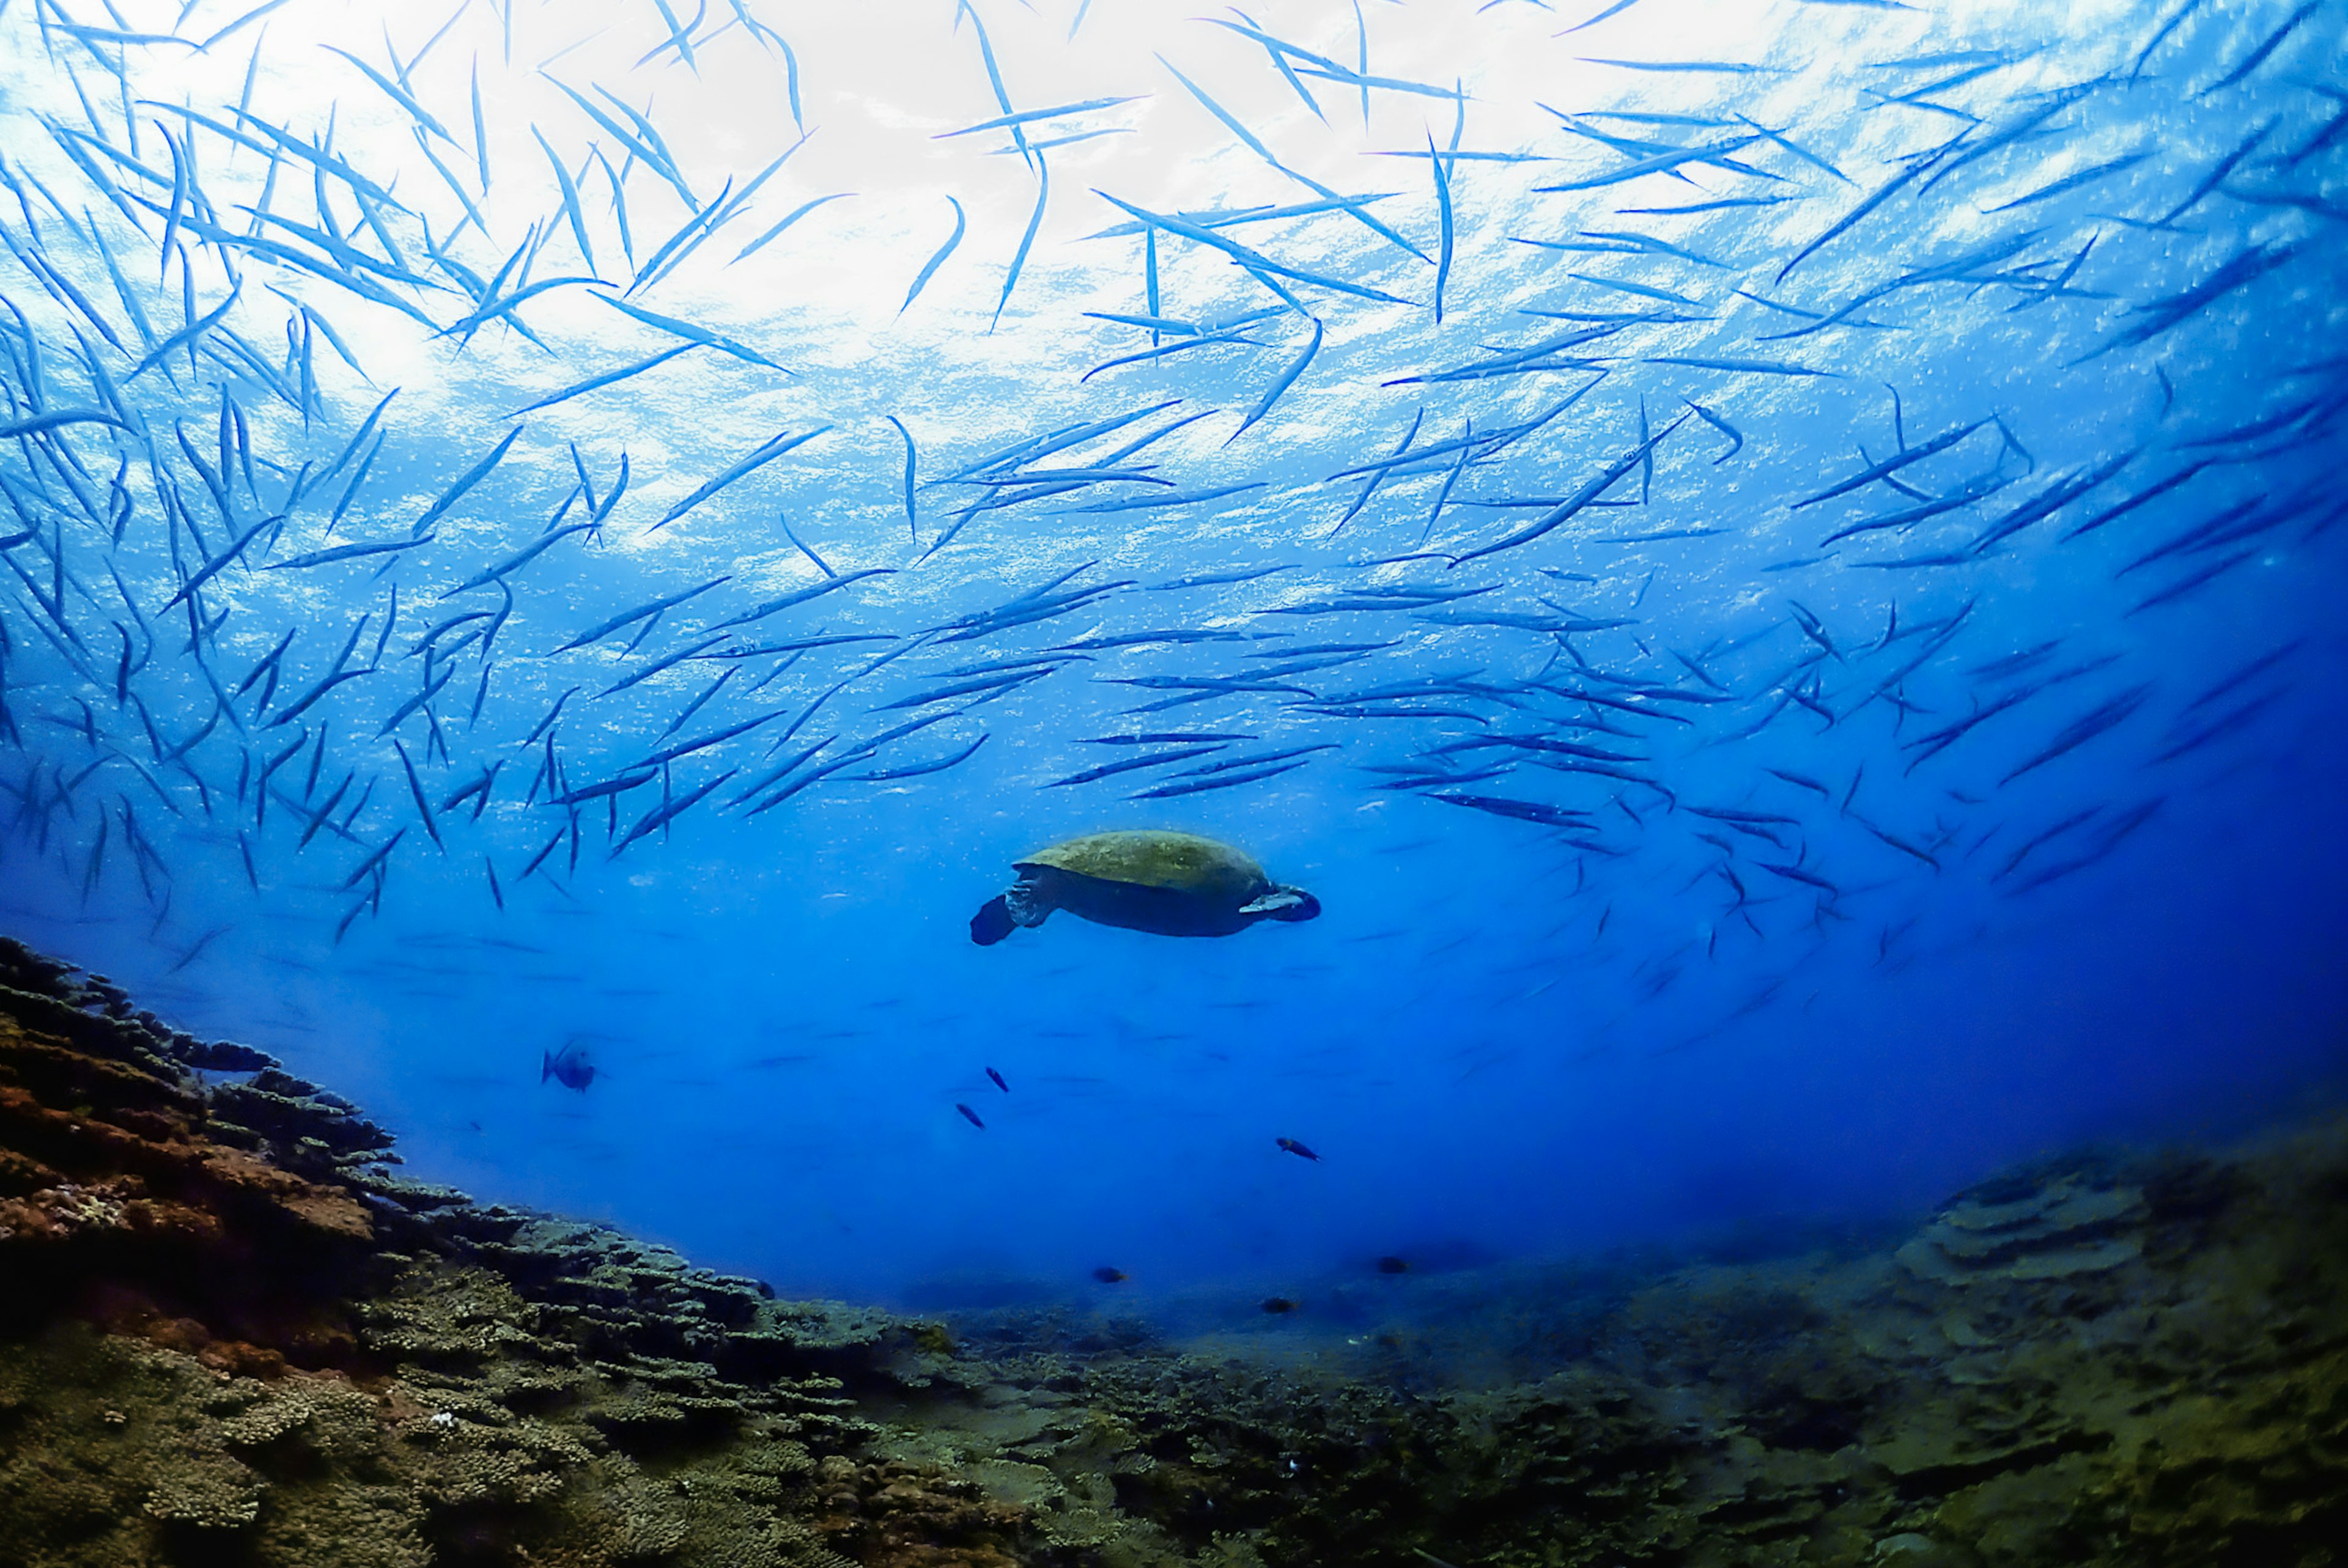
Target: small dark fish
(971, 1116)
(1225, 781)
(782, 442)
(1723, 425)
(2085, 728)
(1522, 810)
(1316, 649)
(1795, 874)
(1294, 1147)
(1802, 781)
(1740, 366)
(466, 481)
(1132, 764)
(569, 1067)
(56, 418)
(998, 1081)
(938, 260)
(1390, 1264)
(2255, 668)
(348, 552)
(1278, 1304)
(1170, 737)
(1108, 1276)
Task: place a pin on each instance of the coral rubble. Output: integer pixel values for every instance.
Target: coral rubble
(231, 1334)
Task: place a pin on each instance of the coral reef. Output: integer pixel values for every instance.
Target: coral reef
(231, 1334)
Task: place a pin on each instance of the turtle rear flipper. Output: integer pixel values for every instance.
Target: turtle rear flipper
(991, 923)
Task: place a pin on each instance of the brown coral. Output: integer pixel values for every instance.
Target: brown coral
(145, 1217)
(896, 1516)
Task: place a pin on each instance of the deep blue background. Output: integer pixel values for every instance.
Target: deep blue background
(1502, 1046)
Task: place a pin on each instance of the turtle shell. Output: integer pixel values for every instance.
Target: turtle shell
(1177, 862)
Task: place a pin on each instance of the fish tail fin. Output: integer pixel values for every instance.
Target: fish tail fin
(545, 1065)
(991, 923)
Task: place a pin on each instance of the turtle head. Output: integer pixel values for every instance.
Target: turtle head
(1287, 904)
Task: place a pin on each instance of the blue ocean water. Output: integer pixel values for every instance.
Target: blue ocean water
(1835, 688)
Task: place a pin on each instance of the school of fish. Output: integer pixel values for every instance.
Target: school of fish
(1458, 484)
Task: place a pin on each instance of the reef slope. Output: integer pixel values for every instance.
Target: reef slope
(230, 1334)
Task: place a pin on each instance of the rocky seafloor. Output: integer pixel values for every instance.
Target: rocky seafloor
(231, 1334)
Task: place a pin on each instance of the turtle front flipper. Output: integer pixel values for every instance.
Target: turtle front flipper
(991, 923)
(1020, 904)
(1025, 901)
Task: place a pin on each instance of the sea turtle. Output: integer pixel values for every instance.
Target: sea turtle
(1174, 884)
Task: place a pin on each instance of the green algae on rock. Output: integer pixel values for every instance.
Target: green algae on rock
(232, 1334)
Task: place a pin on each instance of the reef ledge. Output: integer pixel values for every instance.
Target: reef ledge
(231, 1334)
